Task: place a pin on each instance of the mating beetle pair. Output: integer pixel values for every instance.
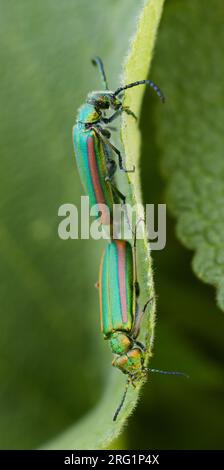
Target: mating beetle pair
(94, 151)
(118, 286)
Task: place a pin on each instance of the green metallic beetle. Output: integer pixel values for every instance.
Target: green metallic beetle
(94, 151)
(120, 315)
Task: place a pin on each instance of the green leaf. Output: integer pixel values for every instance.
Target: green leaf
(189, 134)
(175, 413)
(51, 349)
(86, 435)
(136, 68)
(54, 364)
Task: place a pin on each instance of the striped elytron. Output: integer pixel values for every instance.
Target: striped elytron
(94, 151)
(120, 315)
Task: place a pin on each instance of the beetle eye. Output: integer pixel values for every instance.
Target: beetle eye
(104, 105)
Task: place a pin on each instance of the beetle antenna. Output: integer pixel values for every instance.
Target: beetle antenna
(98, 63)
(168, 372)
(122, 401)
(142, 82)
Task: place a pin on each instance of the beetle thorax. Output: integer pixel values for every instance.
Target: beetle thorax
(120, 342)
(88, 114)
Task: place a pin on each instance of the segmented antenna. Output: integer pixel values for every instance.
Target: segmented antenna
(148, 370)
(142, 82)
(98, 63)
(122, 401)
(158, 371)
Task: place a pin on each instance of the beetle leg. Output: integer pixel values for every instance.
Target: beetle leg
(118, 193)
(123, 199)
(118, 153)
(135, 232)
(124, 109)
(122, 400)
(120, 161)
(111, 118)
(127, 110)
(141, 346)
(147, 303)
(139, 318)
(111, 167)
(105, 132)
(137, 289)
(121, 196)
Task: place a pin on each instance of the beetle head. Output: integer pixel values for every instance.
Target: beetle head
(104, 100)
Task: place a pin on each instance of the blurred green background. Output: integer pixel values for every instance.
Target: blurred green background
(53, 361)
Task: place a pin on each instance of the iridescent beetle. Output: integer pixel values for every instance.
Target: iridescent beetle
(94, 151)
(121, 317)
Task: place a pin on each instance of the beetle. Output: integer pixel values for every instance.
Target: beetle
(120, 314)
(94, 151)
(119, 311)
